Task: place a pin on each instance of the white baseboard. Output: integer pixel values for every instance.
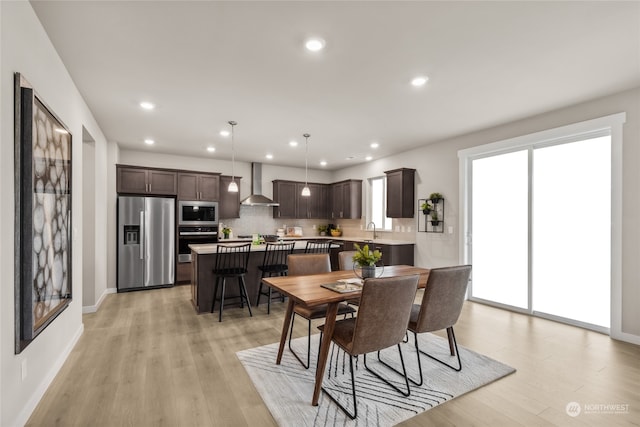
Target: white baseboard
(630, 338)
(93, 308)
(31, 404)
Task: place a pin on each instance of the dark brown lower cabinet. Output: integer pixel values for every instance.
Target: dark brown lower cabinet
(391, 254)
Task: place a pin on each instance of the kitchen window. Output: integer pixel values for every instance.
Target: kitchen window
(378, 206)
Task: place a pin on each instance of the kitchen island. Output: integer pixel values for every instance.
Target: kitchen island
(203, 260)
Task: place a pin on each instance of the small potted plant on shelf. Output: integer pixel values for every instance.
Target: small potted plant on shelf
(322, 230)
(435, 197)
(366, 259)
(434, 218)
(426, 207)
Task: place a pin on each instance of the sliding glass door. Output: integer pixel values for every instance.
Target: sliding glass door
(571, 223)
(539, 228)
(500, 214)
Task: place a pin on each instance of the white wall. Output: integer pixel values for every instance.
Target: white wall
(437, 170)
(25, 48)
(89, 224)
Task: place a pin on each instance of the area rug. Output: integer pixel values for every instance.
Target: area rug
(287, 388)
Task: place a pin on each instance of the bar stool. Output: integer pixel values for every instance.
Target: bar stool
(231, 261)
(317, 247)
(273, 264)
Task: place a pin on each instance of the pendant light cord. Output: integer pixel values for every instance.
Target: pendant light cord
(233, 152)
(306, 159)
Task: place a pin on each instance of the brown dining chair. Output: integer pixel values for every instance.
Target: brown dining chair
(274, 263)
(318, 247)
(385, 307)
(440, 309)
(304, 265)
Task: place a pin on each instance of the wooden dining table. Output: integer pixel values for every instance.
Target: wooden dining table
(307, 290)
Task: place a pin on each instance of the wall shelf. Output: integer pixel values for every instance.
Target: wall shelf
(433, 221)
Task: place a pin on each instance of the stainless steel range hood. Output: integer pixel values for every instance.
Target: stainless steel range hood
(256, 198)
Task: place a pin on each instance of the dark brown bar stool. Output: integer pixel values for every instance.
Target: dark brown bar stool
(273, 264)
(317, 247)
(231, 261)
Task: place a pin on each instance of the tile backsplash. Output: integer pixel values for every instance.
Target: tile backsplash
(259, 219)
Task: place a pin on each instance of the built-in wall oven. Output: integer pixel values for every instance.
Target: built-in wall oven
(188, 235)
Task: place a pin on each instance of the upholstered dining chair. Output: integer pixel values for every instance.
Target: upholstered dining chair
(304, 265)
(345, 260)
(274, 263)
(440, 309)
(385, 307)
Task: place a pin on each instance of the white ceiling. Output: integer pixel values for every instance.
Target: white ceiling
(204, 63)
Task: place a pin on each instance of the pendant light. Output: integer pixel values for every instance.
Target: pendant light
(305, 191)
(233, 187)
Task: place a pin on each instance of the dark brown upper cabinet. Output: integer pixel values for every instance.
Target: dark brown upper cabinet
(284, 192)
(229, 205)
(400, 193)
(140, 180)
(314, 206)
(198, 186)
(346, 199)
(295, 206)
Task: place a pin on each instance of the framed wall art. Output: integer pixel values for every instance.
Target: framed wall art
(42, 214)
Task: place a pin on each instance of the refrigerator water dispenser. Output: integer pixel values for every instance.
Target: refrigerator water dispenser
(131, 234)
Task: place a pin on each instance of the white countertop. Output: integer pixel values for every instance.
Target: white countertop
(301, 243)
(211, 248)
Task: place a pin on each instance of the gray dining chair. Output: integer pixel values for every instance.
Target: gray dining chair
(440, 309)
(304, 265)
(385, 307)
(345, 260)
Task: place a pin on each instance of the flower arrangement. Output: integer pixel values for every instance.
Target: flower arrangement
(365, 257)
(226, 231)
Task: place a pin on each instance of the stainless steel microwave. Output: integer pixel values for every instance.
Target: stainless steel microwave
(198, 213)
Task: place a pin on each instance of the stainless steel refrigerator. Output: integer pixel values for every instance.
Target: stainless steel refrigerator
(146, 242)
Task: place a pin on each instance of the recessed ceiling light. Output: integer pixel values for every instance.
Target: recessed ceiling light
(149, 141)
(211, 149)
(314, 44)
(323, 163)
(224, 133)
(293, 143)
(269, 156)
(147, 105)
(419, 81)
(368, 158)
(374, 145)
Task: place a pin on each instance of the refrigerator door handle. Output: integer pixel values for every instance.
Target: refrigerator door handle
(142, 236)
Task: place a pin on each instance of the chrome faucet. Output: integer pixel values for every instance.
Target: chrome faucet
(375, 236)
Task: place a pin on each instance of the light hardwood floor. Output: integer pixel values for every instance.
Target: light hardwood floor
(146, 359)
